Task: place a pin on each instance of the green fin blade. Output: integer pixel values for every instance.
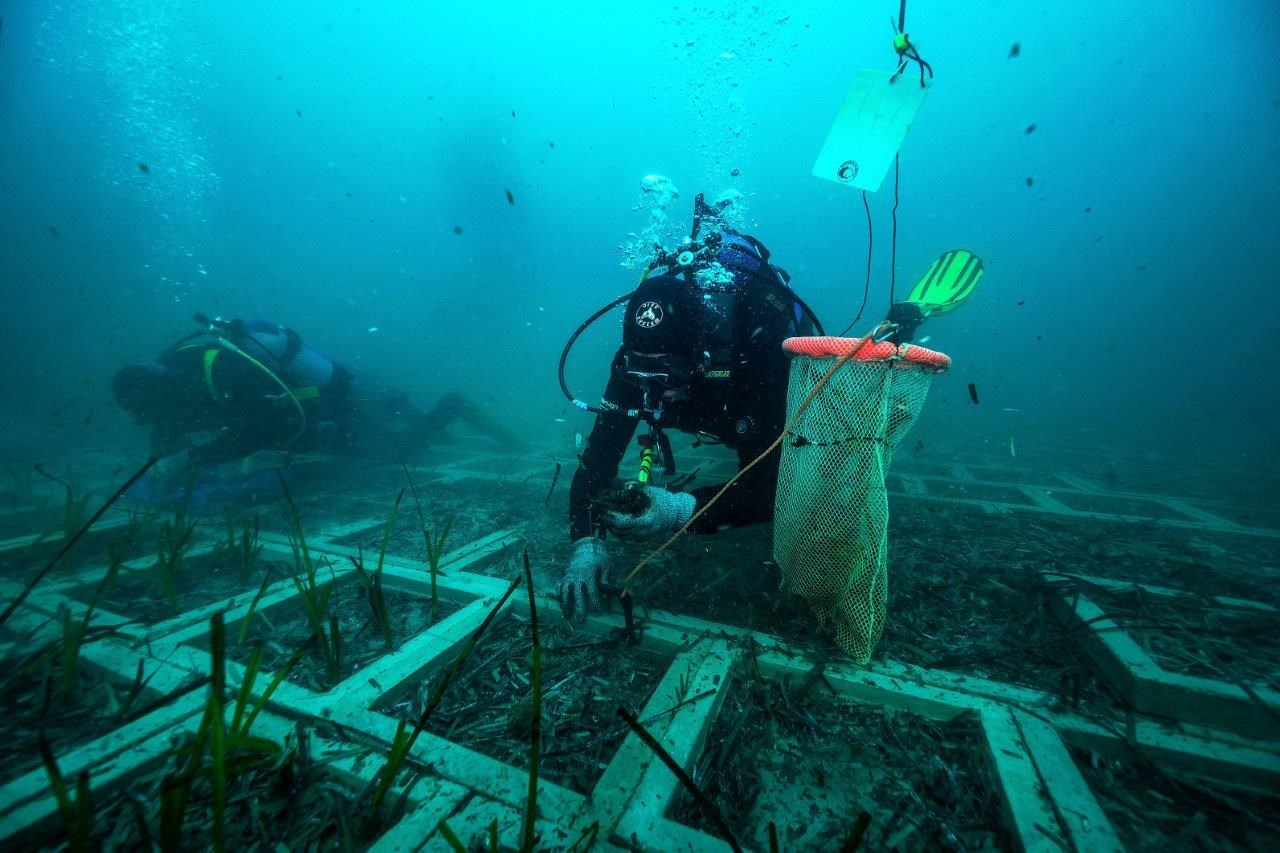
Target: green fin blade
(948, 282)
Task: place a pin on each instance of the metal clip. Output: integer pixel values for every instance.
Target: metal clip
(886, 331)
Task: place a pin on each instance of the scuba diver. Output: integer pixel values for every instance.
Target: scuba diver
(702, 353)
(234, 388)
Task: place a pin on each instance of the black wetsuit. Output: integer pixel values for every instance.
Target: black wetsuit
(746, 412)
(245, 410)
(221, 392)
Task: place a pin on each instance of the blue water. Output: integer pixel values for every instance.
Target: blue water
(310, 165)
(439, 193)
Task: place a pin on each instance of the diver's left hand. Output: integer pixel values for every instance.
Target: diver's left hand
(172, 471)
(667, 512)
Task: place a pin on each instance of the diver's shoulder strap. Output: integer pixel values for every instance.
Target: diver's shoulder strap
(761, 249)
(293, 344)
(210, 356)
(213, 349)
(295, 395)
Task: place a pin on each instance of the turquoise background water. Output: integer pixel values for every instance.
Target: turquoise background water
(312, 163)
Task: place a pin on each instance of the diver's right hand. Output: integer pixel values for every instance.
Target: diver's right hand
(587, 572)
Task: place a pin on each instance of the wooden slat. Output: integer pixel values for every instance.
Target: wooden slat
(1028, 810)
(683, 737)
(28, 810)
(1079, 815)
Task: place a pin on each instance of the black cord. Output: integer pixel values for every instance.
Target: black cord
(564, 354)
(908, 51)
(924, 66)
(866, 287)
(893, 243)
(910, 54)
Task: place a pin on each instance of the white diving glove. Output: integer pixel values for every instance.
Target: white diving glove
(587, 572)
(667, 512)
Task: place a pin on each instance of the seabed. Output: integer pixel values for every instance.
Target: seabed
(1071, 662)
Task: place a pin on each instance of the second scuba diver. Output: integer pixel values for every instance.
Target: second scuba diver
(702, 353)
(235, 387)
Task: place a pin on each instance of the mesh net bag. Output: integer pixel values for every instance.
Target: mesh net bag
(832, 512)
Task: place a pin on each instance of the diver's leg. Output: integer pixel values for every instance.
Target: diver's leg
(907, 317)
(378, 421)
(486, 424)
(452, 407)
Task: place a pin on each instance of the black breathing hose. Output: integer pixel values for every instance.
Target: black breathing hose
(568, 345)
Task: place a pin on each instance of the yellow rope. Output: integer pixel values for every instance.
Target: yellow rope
(853, 350)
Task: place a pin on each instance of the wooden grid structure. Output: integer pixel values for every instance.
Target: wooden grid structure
(992, 488)
(995, 489)
(1046, 804)
(1252, 711)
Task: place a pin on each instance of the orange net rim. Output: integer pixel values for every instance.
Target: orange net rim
(832, 347)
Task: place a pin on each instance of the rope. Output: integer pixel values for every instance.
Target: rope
(893, 241)
(853, 350)
(866, 288)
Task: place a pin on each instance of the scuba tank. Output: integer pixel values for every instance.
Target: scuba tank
(277, 346)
